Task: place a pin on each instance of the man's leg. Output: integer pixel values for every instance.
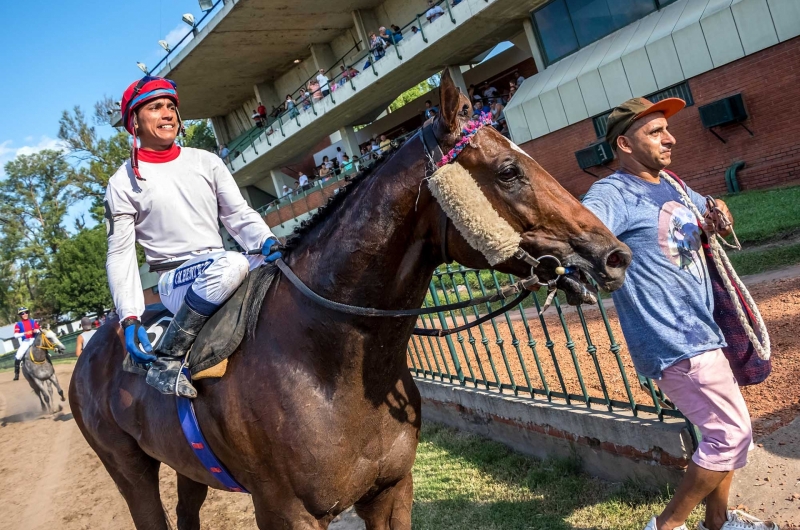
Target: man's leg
(24, 346)
(198, 288)
(704, 389)
(697, 484)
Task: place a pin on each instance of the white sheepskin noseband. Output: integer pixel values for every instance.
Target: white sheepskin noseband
(472, 214)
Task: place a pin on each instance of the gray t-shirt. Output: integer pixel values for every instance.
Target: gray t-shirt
(666, 304)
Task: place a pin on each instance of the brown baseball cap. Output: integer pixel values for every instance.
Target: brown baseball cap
(623, 116)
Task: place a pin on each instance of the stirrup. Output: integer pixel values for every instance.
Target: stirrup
(165, 375)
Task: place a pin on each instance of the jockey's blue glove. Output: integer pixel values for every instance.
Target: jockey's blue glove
(136, 336)
(267, 250)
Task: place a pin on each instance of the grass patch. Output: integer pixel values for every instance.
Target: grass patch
(761, 260)
(765, 215)
(463, 481)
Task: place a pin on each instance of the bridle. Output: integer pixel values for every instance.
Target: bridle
(521, 288)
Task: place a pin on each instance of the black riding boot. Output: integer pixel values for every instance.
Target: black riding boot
(178, 338)
(17, 362)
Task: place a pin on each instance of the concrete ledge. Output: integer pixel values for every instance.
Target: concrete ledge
(612, 446)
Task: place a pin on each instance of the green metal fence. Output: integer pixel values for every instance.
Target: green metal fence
(568, 354)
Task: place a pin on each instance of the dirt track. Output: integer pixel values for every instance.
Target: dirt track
(50, 478)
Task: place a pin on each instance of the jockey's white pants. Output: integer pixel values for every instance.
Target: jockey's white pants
(206, 281)
(24, 346)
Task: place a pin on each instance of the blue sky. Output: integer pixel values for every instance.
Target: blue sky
(60, 54)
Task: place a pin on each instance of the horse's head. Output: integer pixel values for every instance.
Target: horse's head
(499, 199)
(48, 340)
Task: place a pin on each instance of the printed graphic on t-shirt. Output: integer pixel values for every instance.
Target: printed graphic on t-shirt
(679, 238)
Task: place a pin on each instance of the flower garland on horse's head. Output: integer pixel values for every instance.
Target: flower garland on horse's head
(470, 129)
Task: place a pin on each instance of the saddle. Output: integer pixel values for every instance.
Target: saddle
(221, 335)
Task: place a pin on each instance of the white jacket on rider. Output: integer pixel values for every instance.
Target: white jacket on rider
(173, 213)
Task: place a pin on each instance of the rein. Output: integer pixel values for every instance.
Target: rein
(521, 288)
(44, 344)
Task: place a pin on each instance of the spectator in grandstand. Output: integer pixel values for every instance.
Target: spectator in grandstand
(414, 30)
(478, 109)
(385, 145)
(313, 89)
(430, 110)
(323, 81)
(518, 79)
(262, 111)
(302, 181)
(377, 45)
(224, 152)
(497, 113)
(385, 35)
(434, 11)
(257, 118)
(346, 164)
(291, 106)
(397, 35)
(286, 191)
(340, 154)
(489, 93)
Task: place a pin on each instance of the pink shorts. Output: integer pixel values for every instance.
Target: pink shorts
(705, 391)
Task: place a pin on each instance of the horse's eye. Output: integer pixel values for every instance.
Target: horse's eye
(508, 173)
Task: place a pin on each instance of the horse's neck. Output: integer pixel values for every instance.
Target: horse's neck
(376, 251)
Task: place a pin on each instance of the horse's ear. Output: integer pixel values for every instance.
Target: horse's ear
(451, 100)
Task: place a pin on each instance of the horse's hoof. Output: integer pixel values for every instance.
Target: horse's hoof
(62, 396)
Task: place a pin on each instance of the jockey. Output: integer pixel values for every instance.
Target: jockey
(171, 199)
(24, 331)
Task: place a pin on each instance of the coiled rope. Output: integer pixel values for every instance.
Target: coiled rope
(760, 341)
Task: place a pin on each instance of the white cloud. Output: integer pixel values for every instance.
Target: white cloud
(8, 152)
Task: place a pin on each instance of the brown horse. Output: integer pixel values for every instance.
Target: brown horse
(318, 411)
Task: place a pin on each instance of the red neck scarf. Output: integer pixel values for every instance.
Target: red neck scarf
(160, 157)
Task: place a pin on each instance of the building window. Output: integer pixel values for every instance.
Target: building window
(565, 26)
(681, 90)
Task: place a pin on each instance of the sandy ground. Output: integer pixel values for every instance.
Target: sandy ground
(50, 478)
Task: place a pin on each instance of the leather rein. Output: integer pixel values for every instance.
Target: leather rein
(520, 289)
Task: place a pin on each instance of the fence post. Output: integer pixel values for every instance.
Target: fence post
(443, 323)
(419, 25)
(449, 12)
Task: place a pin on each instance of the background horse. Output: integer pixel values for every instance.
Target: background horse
(318, 410)
(39, 372)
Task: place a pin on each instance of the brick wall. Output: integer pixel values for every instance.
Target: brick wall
(770, 85)
(302, 205)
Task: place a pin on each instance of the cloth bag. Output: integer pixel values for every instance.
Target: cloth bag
(748, 368)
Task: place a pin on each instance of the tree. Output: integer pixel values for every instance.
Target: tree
(76, 281)
(414, 92)
(200, 136)
(95, 159)
(34, 199)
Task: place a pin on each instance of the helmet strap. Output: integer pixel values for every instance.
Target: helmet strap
(135, 151)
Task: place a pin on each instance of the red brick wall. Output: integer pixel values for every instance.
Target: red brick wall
(770, 85)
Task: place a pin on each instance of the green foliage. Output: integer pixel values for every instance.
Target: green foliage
(765, 215)
(200, 136)
(414, 92)
(95, 159)
(34, 199)
(76, 281)
(764, 259)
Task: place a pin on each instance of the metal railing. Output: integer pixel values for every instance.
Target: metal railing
(527, 354)
(247, 139)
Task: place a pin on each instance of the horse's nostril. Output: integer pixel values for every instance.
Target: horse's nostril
(616, 260)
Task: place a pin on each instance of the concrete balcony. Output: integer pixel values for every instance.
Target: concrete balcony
(463, 32)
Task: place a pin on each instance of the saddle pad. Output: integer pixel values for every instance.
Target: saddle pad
(225, 330)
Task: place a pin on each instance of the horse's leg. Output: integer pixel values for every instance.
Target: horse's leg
(191, 496)
(136, 476)
(44, 395)
(391, 509)
(276, 513)
(54, 379)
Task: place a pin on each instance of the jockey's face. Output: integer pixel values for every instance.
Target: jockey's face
(24, 315)
(158, 124)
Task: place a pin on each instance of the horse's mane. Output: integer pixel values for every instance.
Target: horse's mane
(265, 275)
(333, 204)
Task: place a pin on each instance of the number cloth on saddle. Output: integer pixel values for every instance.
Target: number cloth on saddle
(225, 330)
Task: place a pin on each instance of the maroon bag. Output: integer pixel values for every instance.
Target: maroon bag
(747, 367)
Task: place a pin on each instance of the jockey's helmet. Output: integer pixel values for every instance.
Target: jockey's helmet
(139, 92)
(22, 310)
